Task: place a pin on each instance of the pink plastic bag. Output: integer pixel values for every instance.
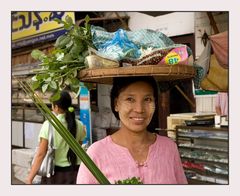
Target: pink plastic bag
(178, 55)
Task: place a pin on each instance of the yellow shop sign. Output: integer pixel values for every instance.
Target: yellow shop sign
(31, 24)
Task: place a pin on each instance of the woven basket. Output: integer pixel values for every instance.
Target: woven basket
(160, 73)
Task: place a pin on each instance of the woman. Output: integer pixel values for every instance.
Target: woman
(134, 151)
(66, 162)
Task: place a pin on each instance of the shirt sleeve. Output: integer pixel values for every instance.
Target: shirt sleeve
(179, 171)
(84, 175)
(44, 131)
(81, 130)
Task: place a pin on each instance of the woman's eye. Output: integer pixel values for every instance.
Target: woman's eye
(130, 99)
(148, 99)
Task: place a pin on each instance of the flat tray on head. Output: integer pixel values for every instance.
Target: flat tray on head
(160, 73)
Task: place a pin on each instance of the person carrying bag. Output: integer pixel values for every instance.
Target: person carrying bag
(47, 167)
(66, 163)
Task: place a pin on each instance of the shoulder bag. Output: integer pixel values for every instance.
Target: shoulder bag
(47, 167)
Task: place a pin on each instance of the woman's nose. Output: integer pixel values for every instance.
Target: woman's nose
(139, 107)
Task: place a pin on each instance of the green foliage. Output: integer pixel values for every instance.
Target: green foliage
(133, 180)
(58, 69)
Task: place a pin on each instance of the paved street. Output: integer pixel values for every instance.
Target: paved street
(15, 180)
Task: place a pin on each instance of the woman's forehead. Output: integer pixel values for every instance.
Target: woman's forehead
(138, 87)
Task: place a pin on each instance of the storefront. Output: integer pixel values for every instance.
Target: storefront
(178, 100)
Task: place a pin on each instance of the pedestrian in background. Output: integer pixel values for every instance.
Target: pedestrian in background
(66, 162)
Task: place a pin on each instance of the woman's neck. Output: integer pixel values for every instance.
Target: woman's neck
(130, 139)
(137, 143)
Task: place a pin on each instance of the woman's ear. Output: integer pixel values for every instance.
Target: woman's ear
(115, 105)
(55, 108)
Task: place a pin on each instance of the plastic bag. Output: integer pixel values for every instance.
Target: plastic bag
(177, 55)
(119, 47)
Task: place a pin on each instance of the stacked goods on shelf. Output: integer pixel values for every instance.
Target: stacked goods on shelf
(179, 119)
(204, 153)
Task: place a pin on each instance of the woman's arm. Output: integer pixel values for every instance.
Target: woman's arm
(83, 134)
(42, 150)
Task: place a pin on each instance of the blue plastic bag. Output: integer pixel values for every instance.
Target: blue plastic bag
(119, 47)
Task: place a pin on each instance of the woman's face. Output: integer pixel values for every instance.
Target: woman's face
(135, 106)
(55, 109)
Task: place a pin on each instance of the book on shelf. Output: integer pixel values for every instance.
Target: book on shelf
(192, 116)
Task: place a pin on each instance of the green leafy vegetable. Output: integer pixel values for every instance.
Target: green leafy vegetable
(58, 69)
(133, 180)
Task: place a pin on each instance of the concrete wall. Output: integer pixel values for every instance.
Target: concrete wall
(25, 134)
(17, 133)
(172, 24)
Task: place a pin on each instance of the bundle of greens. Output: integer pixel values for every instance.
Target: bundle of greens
(133, 180)
(59, 68)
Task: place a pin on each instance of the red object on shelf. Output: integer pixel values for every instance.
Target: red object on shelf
(190, 165)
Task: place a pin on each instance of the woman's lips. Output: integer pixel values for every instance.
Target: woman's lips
(137, 120)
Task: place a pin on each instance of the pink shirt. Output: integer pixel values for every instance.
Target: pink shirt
(163, 164)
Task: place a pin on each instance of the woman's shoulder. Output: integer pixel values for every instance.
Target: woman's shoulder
(104, 141)
(45, 125)
(79, 122)
(99, 145)
(46, 122)
(164, 140)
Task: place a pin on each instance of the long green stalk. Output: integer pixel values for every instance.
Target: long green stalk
(71, 141)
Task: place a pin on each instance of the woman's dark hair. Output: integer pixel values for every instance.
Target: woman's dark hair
(64, 102)
(120, 83)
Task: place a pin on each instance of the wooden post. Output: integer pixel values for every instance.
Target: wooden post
(164, 109)
(213, 23)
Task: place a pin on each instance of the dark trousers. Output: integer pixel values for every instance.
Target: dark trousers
(62, 175)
